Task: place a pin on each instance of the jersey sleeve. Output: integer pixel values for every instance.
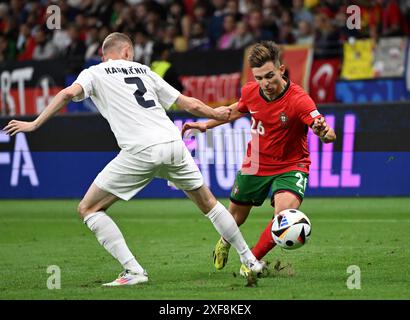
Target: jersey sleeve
(167, 94)
(85, 80)
(242, 107)
(307, 110)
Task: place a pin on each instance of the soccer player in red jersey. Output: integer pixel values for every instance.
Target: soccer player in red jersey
(277, 155)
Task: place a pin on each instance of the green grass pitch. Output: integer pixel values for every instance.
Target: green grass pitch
(174, 242)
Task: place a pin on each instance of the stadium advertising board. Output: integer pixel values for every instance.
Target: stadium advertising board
(27, 87)
(212, 76)
(369, 158)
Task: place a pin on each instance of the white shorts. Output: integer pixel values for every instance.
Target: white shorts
(127, 173)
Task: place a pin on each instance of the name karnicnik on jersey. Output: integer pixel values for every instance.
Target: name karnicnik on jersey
(130, 70)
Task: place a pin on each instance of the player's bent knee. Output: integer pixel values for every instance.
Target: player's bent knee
(83, 210)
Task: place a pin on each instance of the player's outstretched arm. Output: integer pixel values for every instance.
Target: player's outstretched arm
(203, 126)
(58, 102)
(321, 129)
(200, 109)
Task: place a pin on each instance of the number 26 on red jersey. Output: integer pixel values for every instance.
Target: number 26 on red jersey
(257, 127)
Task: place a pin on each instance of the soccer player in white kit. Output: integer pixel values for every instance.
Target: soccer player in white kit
(133, 99)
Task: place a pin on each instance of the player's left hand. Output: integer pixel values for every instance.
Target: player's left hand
(320, 127)
(15, 126)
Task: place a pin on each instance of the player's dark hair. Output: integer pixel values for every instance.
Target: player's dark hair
(113, 39)
(263, 52)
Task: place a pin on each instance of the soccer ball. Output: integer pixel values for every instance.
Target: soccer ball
(291, 229)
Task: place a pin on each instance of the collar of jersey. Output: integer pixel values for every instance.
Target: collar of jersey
(280, 94)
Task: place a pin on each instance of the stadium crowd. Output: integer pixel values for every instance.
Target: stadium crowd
(189, 25)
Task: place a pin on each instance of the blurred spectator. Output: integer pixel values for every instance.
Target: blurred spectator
(61, 37)
(125, 21)
(102, 34)
(245, 6)
(393, 21)
(300, 13)
(99, 8)
(405, 9)
(118, 7)
(344, 32)
(152, 24)
(215, 27)
(44, 49)
(175, 13)
(242, 37)
(285, 27)
(198, 39)
(286, 35)
(272, 12)
(92, 44)
(304, 33)
(18, 11)
(173, 38)
(285, 18)
(143, 47)
(310, 4)
(7, 49)
(194, 24)
(141, 12)
(256, 28)
(25, 43)
(200, 11)
(81, 24)
(327, 43)
(232, 8)
(169, 33)
(328, 8)
(225, 41)
(78, 4)
(75, 52)
(162, 66)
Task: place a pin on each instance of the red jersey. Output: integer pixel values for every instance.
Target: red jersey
(278, 130)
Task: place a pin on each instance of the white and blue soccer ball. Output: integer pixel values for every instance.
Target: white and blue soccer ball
(291, 229)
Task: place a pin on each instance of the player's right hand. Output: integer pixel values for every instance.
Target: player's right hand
(201, 126)
(222, 113)
(15, 126)
(320, 127)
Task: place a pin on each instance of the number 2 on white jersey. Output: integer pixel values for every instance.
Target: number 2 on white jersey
(139, 93)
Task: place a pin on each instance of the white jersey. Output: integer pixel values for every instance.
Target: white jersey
(133, 99)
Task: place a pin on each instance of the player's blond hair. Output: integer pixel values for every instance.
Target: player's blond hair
(263, 52)
(115, 40)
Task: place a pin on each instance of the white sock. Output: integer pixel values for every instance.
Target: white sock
(226, 243)
(225, 224)
(111, 238)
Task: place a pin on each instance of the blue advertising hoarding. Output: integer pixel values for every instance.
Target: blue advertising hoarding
(372, 91)
(371, 156)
